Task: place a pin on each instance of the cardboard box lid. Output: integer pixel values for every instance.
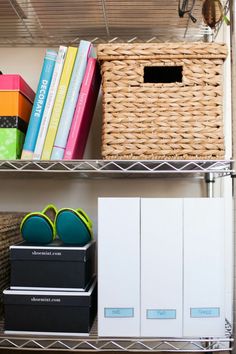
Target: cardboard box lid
(14, 103)
(168, 50)
(55, 251)
(52, 298)
(13, 122)
(14, 82)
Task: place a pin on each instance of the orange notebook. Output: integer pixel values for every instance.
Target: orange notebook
(13, 103)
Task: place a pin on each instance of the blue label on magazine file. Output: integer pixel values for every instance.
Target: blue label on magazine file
(159, 314)
(118, 312)
(201, 312)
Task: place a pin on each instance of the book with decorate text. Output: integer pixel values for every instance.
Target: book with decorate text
(39, 104)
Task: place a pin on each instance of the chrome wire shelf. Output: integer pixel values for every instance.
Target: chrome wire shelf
(120, 168)
(52, 23)
(130, 345)
(95, 343)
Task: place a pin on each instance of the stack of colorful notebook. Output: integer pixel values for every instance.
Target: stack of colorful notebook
(64, 104)
(16, 100)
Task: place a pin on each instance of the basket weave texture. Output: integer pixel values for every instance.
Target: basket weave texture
(9, 235)
(161, 121)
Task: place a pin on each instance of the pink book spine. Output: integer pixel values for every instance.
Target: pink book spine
(14, 82)
(84, 111)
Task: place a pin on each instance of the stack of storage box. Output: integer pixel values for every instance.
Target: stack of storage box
(16, 100)
(53, 289)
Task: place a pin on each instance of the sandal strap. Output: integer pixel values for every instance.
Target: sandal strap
(86, 217)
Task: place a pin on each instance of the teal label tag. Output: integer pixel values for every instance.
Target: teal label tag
(118, 312)
(161, 314)
(204, 312)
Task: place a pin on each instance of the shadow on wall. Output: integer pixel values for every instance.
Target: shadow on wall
(93, 146)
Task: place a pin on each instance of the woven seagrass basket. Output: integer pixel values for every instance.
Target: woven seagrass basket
(9, 235)
(162, 101)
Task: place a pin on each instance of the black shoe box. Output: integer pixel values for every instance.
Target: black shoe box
(52, 267)
(50, 312)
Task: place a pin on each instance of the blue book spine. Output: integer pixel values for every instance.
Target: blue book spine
(85, 50)
(39, 104)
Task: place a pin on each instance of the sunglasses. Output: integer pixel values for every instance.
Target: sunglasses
(186, 7)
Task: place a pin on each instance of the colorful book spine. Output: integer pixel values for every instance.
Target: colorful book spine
(59, 102)
(39, 104)
(84, 112)
(50, 102)
(84, 52)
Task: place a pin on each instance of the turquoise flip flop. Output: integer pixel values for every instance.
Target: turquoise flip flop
(39, 227)
(74, 226)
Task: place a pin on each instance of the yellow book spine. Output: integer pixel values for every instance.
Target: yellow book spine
(59, 102)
